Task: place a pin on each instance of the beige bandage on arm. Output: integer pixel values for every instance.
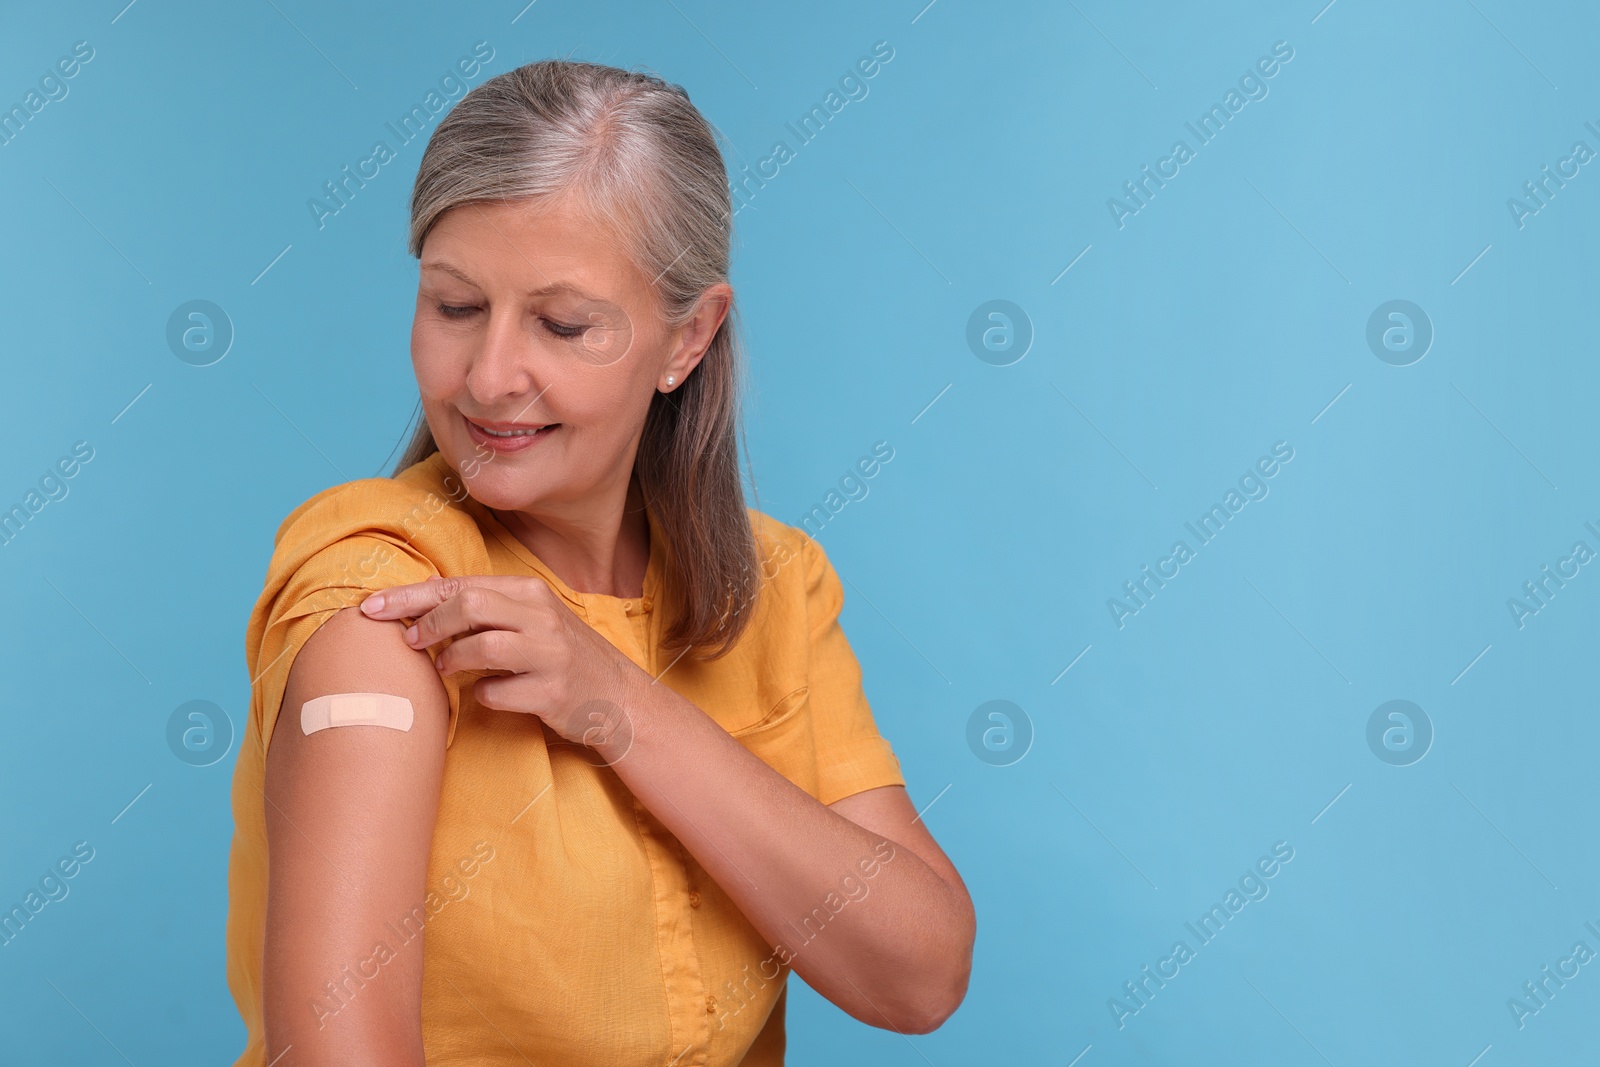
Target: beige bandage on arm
(355, 709)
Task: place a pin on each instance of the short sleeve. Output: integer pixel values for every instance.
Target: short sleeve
(339, 575)
(852, 755)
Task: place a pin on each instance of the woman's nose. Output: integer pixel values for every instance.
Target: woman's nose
(502, 365)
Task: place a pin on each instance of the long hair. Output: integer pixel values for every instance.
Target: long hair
(643, 157)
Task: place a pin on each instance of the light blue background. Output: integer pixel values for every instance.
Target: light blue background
(1223, 317)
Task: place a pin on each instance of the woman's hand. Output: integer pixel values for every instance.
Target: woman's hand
(559, 668)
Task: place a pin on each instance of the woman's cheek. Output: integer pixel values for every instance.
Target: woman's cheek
(433, 360)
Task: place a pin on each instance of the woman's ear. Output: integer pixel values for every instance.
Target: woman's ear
(695, 336)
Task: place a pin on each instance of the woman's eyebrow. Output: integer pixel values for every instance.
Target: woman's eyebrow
(544, 290)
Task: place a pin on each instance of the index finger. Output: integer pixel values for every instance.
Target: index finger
(414, 600)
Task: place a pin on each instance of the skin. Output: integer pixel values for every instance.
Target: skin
(901, 963)
(341, 864)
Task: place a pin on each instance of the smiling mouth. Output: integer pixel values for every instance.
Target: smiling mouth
(508, 430)
(513, 433)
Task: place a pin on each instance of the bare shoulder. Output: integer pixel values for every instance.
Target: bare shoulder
(350, 653)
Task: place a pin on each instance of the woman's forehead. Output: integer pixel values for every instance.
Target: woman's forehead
(536, 247)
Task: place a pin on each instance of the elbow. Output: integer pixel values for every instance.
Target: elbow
(930, 1019)
(930, 1011)
(946, 988)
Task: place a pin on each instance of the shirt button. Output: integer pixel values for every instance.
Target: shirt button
(711, 1005)
(694, 898)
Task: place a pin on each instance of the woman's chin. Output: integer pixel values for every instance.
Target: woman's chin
(502, 490)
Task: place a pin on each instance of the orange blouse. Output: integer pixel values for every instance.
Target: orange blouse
(564, 923)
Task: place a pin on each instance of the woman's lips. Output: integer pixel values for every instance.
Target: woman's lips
(504, 444)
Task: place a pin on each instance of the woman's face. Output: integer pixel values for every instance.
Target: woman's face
(528, 315)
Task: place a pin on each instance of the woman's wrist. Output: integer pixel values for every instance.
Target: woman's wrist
(630, 725)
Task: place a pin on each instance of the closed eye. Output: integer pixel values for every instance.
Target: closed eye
(458, 311)
(563, 331)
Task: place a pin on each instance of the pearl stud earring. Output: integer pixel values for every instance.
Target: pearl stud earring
(671, 381)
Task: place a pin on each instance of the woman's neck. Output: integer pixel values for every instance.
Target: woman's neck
(605, 551)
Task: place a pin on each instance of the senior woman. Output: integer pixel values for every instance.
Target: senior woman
(633, 780)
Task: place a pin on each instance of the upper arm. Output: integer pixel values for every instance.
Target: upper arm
(350, 814)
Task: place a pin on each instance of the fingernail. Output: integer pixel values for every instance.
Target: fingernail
(373, 603)
(411, 634)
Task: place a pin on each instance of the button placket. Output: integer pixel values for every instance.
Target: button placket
(680, 961)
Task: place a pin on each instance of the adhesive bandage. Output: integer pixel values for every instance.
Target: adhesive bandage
(355, 709)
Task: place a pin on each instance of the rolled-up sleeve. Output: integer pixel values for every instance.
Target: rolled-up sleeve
(332, 552)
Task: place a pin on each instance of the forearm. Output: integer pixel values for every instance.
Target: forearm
(891, 947)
